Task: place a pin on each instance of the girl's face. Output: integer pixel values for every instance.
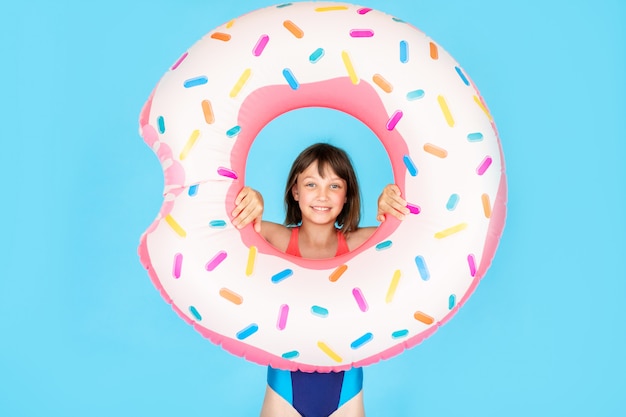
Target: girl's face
(320, 197)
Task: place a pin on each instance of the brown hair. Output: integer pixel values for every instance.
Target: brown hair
(338, 160)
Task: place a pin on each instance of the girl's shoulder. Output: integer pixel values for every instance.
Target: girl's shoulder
(277, 235)
(359, 236)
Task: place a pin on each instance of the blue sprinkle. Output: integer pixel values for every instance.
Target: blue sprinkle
(161, 124)
(451, 301)
(415, 95)
(194, 82)
(319, 311)
(248, 331)
(475, 137)
(195, 313)
(217, 224)
(399, 334)
(193, 190)
(291, 355)
(367, 337)
(410, 166)
(282, 275)
(458, 71)
(233, 131)
(384, 245)
(422, 268)
(293, 83)
(316, 55)
(280, 6)
(452, 202)
(404, 52)
(395, 19)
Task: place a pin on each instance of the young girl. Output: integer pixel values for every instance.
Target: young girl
(323, 211)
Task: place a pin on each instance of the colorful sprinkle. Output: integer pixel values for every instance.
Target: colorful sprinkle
(451, 301)
(415, 95)
(384, 245)
(178, 263)
(393, 286)
(328, 351)
(291, 80)
(240, 82)
(410, 166)
(463, 77)
(193, 190)
(293, 28)
(260, 45)
(486, 163)
(345, 57)
(280, 6)
(175, 226)
(196, 81)
(319, 311)
(331, 8)
(367, 337)
(364, 10)
(281, 276)
(404, 52)
(382, 83)
(434, 51)
(230, 24)
(179, 61)
(452, 202)
(251, 259)
(228, 173)
(161, 124)
(217, 224)
(207, 111)
(190, 142)
(231, 296)
(475, 137)
(450, 231)
(291, 355)
(393, 120)
(247, 331)
(482, 106)
(360, 300)
(446, 110)
(435, 150)
(233, 131)
(471, 262)
(486, 205)
(423, 317)
(283, 313)
(220, 36)
(422, 268)
(337, 273)
(316, 55)
(195, 313)
(398, 334)
(413, 209)
(361, 33)
(216, 260)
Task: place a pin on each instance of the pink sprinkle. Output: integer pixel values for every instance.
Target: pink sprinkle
(216, 260)
(484, 165)
(178, 263)
(360, 300)
(413, 208)
(472, 264)
(282, 317)
(181, 59)
(395, 118)
(364, 10)
(260, 45)
(361, 33)
(225, 172)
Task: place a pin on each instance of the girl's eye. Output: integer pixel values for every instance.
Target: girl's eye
(309, 185)
(335, 186)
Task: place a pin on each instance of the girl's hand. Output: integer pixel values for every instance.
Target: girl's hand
(248, 209)
(391, 202)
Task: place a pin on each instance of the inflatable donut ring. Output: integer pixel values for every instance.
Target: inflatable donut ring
(410, 277)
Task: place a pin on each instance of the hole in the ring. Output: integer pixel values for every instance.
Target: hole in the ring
(278, 144)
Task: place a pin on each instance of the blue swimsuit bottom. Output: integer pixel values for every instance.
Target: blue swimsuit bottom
(316, 394)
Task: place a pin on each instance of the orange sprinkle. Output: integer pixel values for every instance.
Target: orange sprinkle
(337, 273)
(434, 51)
(207, 110)
(423, 317)
(293, 28)
(231, 296)
(486, 205)
(220, 36)
(435, 150)
(382, 83)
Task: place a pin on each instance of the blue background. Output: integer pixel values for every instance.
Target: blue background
(84, 333)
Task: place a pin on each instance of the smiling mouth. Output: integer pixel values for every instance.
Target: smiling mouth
(321, 208)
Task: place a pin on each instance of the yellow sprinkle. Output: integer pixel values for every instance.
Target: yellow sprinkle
(482, 106)
(190, 142)
(230, 24)
(207, 110)
(175, 226)
(337, 273)
(348, 64)
(329, 352)
(251, 259)
(393, 286)
(486, 205)
(435, 150)
(240, 83)
(450, 231)
(382, 83)
(331, 8)
(231, 296)
(445, 110)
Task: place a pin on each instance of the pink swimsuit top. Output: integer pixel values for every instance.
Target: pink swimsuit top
(294, 249)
